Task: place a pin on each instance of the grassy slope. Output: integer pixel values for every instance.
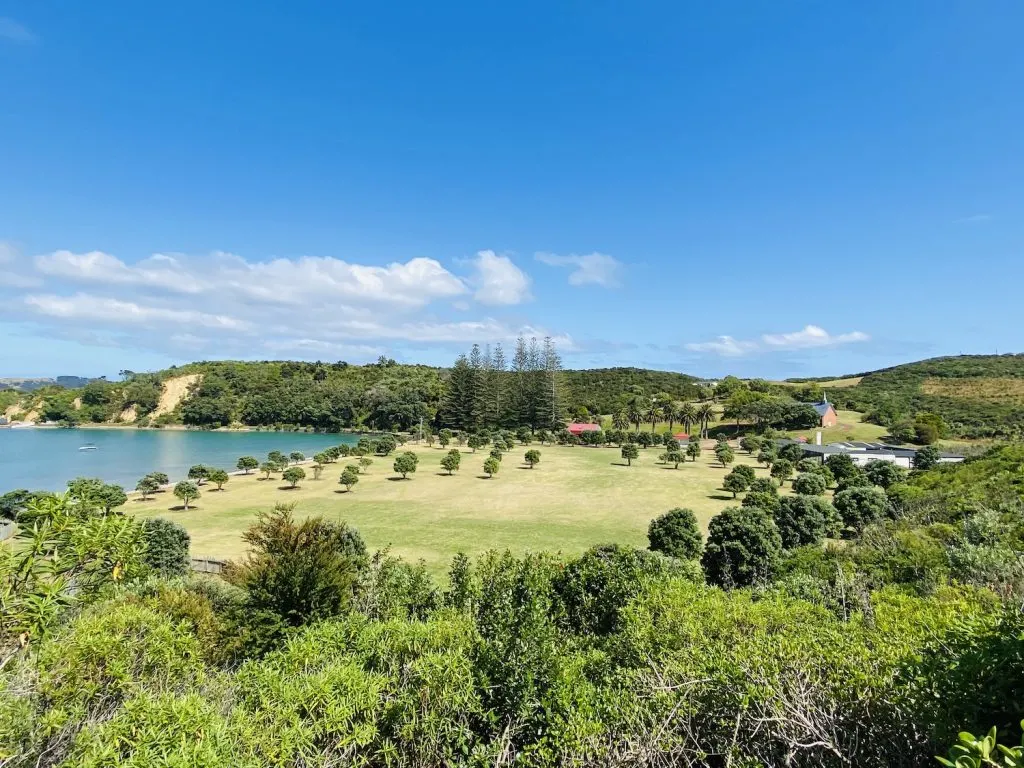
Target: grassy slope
(575, 498)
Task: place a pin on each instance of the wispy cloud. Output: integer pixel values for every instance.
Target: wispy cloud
(978, 218)
(590, 269)
(808, 337)
(13, 31)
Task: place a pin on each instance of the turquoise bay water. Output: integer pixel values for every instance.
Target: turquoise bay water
(45, 459)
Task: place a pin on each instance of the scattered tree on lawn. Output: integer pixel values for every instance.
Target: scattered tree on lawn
(735, 483)
(266, 468)
(451, 460)
(444, 437)
(146, 486)
(247, 464)
(349, 477)
(218, 477)
(724, 454)
(277, 458)
(293, 475)
(296, 457)
(364, 463)
(318, 468)
(496, 453)
(187, 491)
(675, 457)
(693, 449)
(781, 470)
(809, 484)
(491, 466)
(750, 443)
(160, 477)
(198, 472)
(767, 455)
(630, 452)
(532, 457)
(474, 442)
(405, 463)
(677, 534)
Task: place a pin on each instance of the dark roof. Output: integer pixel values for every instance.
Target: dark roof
(860, 446)
(821, 408)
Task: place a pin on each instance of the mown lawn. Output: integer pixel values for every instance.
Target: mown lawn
(575, 498)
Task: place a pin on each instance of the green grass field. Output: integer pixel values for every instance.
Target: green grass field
(575, 498)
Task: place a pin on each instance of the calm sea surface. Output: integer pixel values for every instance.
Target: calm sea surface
(45, 459)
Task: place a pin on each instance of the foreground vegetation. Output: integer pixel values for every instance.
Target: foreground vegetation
(759, 644)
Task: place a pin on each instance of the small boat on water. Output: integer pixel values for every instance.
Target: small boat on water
(88, 447)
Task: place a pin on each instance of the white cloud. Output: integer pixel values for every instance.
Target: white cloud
(499, 281)
(726, 346)
(590, 269)
(809, 337)
(8, 253)
(15, 32)
(224, 305)
(82, 306)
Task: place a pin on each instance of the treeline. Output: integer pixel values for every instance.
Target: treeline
(315, 651)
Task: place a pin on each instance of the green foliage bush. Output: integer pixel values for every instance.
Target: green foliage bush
(676, 534)
(167, 545)
(743, 548)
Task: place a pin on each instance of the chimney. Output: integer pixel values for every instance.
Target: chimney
(817, 437)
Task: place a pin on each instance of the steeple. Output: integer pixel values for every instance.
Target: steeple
(824, 397)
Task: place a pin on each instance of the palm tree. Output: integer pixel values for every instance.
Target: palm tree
(634, 414)
(705, 414)
(687, 415)
(652, 413)
(671, 409)
(620, 420)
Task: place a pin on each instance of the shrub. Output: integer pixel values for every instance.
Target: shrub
(677, 534)
(491, 466)
(532, 457)
(743, 548)
(218, 477)
(349, 477)
(406, 463)
(167, 545)
(629, 452)
(293, 475)
(884, 473)
(187, 491)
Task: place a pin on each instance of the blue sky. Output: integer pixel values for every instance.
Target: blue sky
(775, 189)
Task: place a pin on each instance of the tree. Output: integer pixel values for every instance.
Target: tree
(675, 457)
(532, 457)
(491, 466)
(724, 454)
(349, 477)
(791, 452)
(861, 505)
(451, 460)
(630, 452)
(323, 457)
(199, 473)
(808, 465)
(809, 484)
(767, 455)
(746, 472)
(218, 477)
(386, 445)
(677, 534)
(750, 443)
(543, 436)
(926, 458)
(93, 491)
(293, 475)
(693, 449)
(735, 483)
(247, 464)
(743, 548)
(318, 468)
(405, 463)
(297, 456)
(160, 478)
(705, 414)
(167, 545)
(523, 435)
(364, 463)
(496, 453)
(474, 442)
(687, 415)
(803, 520)
(841, 465)
(298, 571)
(267, 467)
(187, 491)
(884, 473)
(146, 486)
(781, 470)
(444, 437)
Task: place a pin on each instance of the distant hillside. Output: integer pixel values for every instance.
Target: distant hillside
(600, 389)
(978, 395)
(30, 385)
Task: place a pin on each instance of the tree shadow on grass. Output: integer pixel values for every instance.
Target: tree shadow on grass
(484, 477)
(287, 487)
(181, 508)
(444, 474)
(523, 466)
(619, 464)
(398, 479)
(720, 497)
(343, 490)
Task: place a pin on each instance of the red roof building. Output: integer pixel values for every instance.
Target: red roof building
(576, 429)
(682, 437)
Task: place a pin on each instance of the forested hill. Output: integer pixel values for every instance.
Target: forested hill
(977, 395)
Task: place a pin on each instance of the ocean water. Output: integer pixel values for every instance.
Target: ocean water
(46, 458)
